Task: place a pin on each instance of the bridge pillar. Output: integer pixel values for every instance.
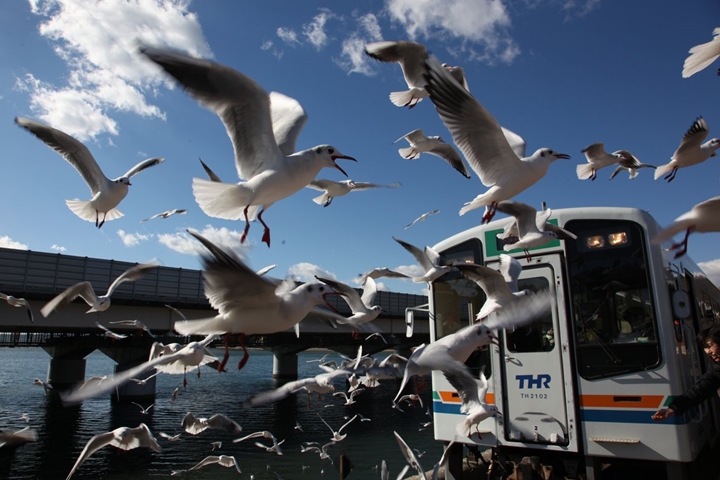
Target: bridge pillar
(285, 363)
(128, 357)
(67, 365)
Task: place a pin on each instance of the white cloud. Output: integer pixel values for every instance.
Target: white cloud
(410, 270)
(288, 35)
(7, 242)
(58, 248)
(132, 239)
(99, 42)
(712, 270)
(352, 58)
(315, 30)
(574, 8)
(305, 272)
(369, 23)
(477, 23)
(186, 244)
(266, 45)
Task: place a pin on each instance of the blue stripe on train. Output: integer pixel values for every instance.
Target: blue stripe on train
(440, 407)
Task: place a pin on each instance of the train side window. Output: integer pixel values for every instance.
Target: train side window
(538, 336)
(613, 315)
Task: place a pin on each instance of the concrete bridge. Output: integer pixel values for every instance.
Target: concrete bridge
(70, 334)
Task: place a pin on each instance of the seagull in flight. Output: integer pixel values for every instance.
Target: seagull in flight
(379, 272)
(421, 218)
(194, 425)
(691, 150)
(134, 323)
(166, 214)
(106, 193)
(97, 303)
(271, 169)
(598, 158)
(262, 434)
(337, 437)
(702, 218)
(109, 333)
(124, 438)
(434, 145)
(472, 394)
(480, 138)
(702, 55)
(222, 460)
(363, 310)
(248, 303)
(429, 260)
(332, 189)
(628, 161)
(19, 303)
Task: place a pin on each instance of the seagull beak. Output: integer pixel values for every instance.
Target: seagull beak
(564, 156)
(344, 157)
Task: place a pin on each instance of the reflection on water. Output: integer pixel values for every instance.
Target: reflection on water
(64, 431)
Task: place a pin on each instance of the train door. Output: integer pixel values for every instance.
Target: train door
(535, 375)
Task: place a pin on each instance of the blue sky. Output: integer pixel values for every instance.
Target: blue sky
(562, 74)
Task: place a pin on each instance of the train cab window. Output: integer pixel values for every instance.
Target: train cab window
(613, 316)
(457, 300)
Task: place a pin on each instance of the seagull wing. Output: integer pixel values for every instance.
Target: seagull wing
(211, 175)
(242, 105)
(448, 153)
(70, 149)
(521, 311)
(524, 215)
(420, 255)
(510, 269)
(288, 120)
(222, 422)
(369, 292)
(517, 143)
(359, 186)
(490, 280)
(694, 137)
(132, 274)
(82, 289)
(209, 460)
(142, 166)
(410, 56)
(474, 130)
(410, 456)
(92, 446)
(346, 423)
(349, 294)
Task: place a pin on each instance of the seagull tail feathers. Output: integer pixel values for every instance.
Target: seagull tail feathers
(84, 210)
(701, 56)
(677, 226)
(223, 200)
(408, 153)
(407, 97)
(321, 199)
(477, 202)
(463, 428)
(205, 326)
(584, 171)
(663, 170)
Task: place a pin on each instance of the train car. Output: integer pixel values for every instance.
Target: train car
(577, 388)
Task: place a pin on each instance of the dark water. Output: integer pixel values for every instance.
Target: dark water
(63, 432)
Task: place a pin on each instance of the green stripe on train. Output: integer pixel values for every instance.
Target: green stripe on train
(494, 246)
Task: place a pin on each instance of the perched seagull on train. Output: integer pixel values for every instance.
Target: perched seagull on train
(480, 138)
(194, 426)
(109, 333)
(429, 260)
(363, 310)
(702, 55)
(336, 434)
(322, 383)
(628, 161)
(17, 438)
(379, 272)
(472, 394)
(19, 303)
(411, 57)
(212, 176)
(533, 229)
(166, 214)
(46, 386)
(434, 145)
(332, 189)
(262, 434)
(702, 218)
(421, 218)
(97, 303)
(134, 323)
(598, 158)
(124, 438)
(190, 355)
(249, 304)
(106, 193)
(222, 460)
(264, 141)
(450, 353)
(410, 456)
(691, 150)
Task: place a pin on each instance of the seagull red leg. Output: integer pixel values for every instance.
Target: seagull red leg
(221, 367)
(247, 225)
(266, 233)
(246, 354)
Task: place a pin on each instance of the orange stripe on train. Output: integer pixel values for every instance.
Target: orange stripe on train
(452, 397)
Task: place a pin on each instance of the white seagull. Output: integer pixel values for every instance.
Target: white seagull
(480, 138)
(271, 170)
(598, 158)
(170, 438)
(322, 383)
(262, 434)
(691, 150)
(19, 303)
(249, 304)
(702, 218)
(429, 260)
(472, 394)
(336, 435)
(628, 161)
(410, 456)
(434, 145)
(144, 410)
(349, 399)
(363, 310)
(109, 333)
(194, 425)
(166, 214)
(702, 55)
(421, 218)
(379, 272)
(222, 460)
(411, 57)
(19, 437)
(124, 438)
(332, 189)
(46, 386)
(134, 323)
(107, 193)
(176, 365)
(191, 355)
(84, 290)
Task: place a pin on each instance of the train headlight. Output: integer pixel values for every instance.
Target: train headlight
(596, 241)
(619, 238)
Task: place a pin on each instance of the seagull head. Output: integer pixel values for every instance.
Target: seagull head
(124, 181)
(551, 154)
(329, 154)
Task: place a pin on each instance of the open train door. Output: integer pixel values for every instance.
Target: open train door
(535, 376)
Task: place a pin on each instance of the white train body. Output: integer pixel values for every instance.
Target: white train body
(582, 383)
